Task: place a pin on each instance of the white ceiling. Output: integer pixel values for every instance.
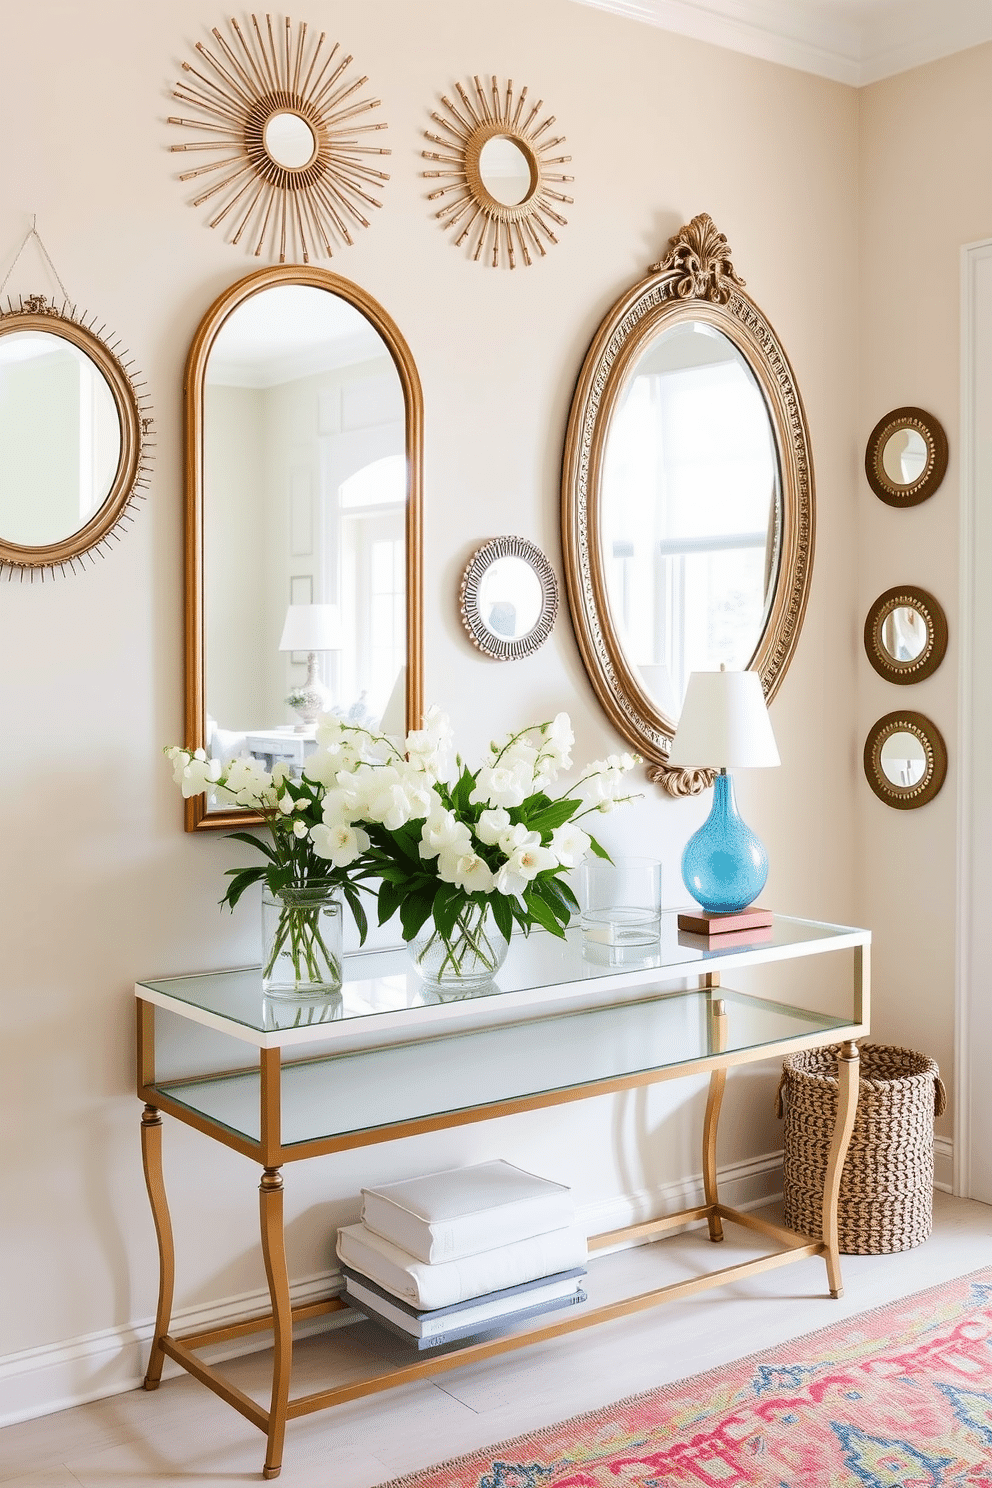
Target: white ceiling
(851, 41)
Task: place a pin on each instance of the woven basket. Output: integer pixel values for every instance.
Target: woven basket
(886, 1190)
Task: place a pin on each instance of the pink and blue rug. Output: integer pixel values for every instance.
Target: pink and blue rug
(900, 1397)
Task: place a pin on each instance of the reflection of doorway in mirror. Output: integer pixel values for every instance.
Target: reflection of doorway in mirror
(690, 524)
(372, 579)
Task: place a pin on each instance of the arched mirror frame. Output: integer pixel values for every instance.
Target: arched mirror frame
(198, 817)
(134, 418)
(695, 281)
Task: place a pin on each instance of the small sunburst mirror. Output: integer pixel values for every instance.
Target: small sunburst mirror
(296, 170)
(501, 173)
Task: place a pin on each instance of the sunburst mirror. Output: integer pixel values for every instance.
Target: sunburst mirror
(497, 156)
(291, 135)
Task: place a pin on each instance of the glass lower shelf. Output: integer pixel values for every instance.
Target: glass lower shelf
(370, 1089)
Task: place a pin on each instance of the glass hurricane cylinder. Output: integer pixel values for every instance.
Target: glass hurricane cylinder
(301, 942)
(469, 957)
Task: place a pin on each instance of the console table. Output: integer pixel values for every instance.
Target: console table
(280, 1081)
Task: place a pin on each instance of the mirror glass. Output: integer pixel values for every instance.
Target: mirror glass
(510, 598)
(289, 140)
(904, 456)
(304, 504)
(506, 170)
(690, 512)
(903, 759)
(904, 633)
(60, 438)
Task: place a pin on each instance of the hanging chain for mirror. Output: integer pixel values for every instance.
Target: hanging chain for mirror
(303, 205)
(39, 313)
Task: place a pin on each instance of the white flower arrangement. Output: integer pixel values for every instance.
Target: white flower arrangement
(443, 843)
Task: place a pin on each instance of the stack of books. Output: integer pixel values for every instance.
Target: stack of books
(462, 1253)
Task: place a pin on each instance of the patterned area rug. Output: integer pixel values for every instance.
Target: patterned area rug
(900, 1397)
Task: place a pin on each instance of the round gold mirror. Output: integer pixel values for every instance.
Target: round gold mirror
(905, 760)
(906, 457)
(73, 437)
(289, 140)
(509, 598)
(906, 634)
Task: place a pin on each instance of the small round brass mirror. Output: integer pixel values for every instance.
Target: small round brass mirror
(509, 598)
(906, 457)
(906, 634)
(905, 760)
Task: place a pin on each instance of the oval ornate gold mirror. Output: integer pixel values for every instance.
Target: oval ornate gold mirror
(687, 496)
(303, 494)
(906, 634)
(906, 457)
(73, 437)
(905, 760)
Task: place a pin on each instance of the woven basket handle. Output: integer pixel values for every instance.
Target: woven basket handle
(779, 1107)
(939, 1096)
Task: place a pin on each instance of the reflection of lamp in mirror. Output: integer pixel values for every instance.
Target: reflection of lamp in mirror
(311, 628)
(724, 724)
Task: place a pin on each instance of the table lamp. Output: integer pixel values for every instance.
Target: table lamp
(311, 628)
(724, 725)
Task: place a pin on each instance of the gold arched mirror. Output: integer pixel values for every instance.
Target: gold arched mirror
(74, 428)
(304, 431)
(687, 496)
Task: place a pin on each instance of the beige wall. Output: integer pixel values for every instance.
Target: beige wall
(926, 189)
(101, 885)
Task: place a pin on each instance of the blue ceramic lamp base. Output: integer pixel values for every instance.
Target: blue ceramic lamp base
(724, 865)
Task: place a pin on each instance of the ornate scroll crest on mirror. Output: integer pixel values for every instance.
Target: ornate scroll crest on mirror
(509, 598)
(503, 186)
(66, 488)
(906, 634)
(905, 760)
(906, 457)
(685, 358)
(294, 169)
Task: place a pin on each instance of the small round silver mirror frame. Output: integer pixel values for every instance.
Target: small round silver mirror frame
(497, 647)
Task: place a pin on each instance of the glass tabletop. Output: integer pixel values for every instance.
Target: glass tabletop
(384, 983)
(380, 1087)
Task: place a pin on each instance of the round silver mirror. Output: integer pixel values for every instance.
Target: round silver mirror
(507, 171)
(904, 456)
(509, 598)
(289, 141)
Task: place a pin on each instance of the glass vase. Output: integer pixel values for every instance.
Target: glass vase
(301, 942)
(469, 957)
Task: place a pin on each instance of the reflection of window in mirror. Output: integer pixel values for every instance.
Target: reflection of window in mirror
(690, 511)
(305, 491)
(510, 598)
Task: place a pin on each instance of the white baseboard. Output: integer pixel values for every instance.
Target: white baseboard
(943, 1164)
(52, 1377)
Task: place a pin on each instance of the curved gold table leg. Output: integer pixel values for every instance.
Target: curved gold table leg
(274, 1253)
(151, 1158)
(848, 1072)
(714, 1100)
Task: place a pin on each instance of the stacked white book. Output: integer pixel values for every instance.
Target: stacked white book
(463, 1252)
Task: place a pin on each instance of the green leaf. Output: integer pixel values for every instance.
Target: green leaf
(550, 817)
(448, 903)
(415, 911)
(542, 913)
(357, 910)
(502, 914)
(599, 850)
(390, 899)
(252, 841)
(241, 879)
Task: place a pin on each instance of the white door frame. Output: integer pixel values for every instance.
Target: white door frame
(973, 991)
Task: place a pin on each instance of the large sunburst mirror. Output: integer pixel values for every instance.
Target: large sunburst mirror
(293, 155)
(501, 172)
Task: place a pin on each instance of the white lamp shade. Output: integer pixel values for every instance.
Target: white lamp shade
(724, 724)
(313, 627)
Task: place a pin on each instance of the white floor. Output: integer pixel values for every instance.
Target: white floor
(184, 1435)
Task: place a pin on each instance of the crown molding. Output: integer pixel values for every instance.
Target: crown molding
(863, 45)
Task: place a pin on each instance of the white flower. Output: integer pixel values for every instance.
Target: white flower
(517, 836)
(491, 825)
(524, 864)
(196, 773)
(249, 782)
(428, 748)
(443, 832)
(604, 781)
(300, 828)
(501, 785)
(341, 844)
(570, 845)
(471, 873)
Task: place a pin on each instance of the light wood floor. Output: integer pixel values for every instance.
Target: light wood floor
(183, 1435)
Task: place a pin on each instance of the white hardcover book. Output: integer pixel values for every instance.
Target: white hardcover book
(465, 1318)
(462, 1211)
